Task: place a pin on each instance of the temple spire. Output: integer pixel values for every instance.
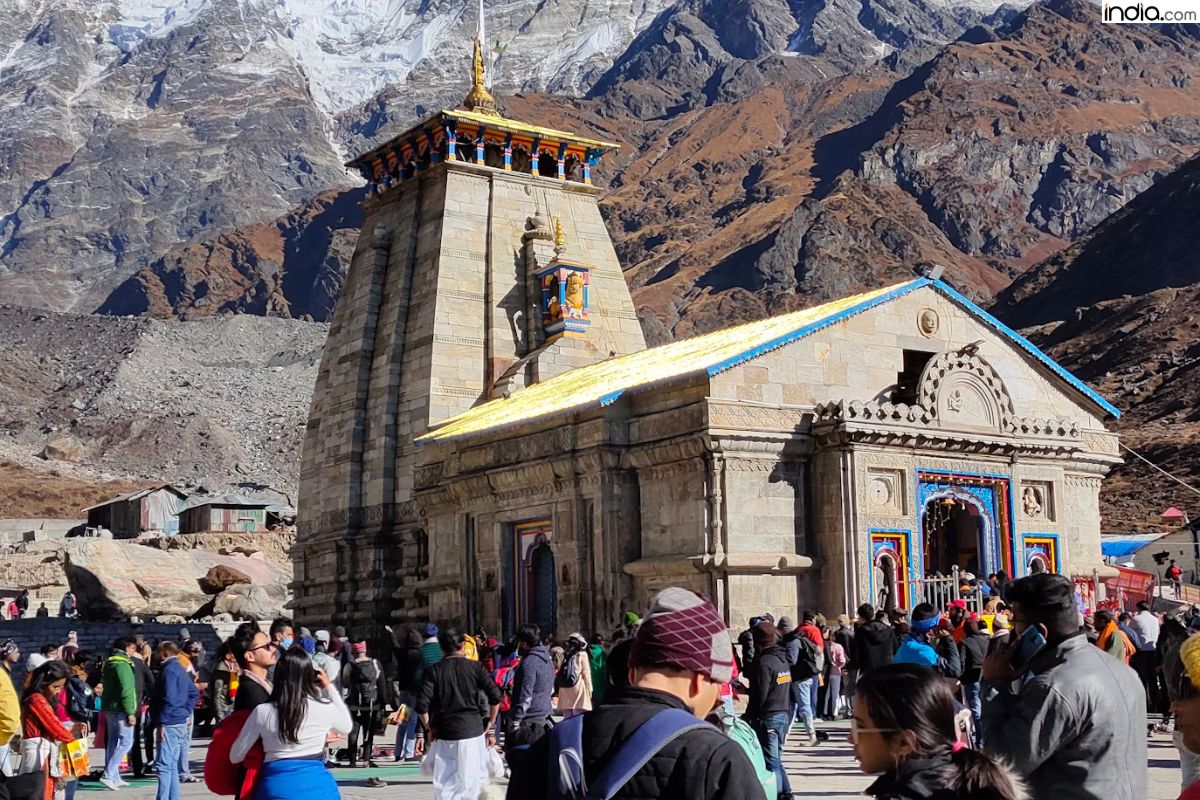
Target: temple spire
(479, 99)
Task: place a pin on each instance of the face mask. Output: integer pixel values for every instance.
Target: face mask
(286, 642)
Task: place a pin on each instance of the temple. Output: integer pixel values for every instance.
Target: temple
(491, 443)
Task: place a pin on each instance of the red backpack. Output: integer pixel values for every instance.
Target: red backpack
(223, 777)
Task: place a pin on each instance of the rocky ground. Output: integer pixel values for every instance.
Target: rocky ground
(220, 403)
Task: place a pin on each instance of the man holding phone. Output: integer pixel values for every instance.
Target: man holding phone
(1069, 718)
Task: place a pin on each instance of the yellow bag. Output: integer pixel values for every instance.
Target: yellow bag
(75, 759)
(470, 648)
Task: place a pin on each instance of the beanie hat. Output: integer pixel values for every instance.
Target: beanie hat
(309, 644)
(358, 647)
(684, 630)
(340, 631)
(785, 625)
(431, 630)
(323, 636)
(764, 635)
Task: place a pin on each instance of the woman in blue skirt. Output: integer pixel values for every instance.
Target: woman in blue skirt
(293, 727)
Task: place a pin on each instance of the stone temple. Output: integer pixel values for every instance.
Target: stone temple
(491, 442)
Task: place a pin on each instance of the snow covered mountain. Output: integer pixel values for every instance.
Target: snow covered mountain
(130, 127)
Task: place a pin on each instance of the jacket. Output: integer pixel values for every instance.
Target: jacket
(10, 708)
(579, 696)
(874, 646)
(533, 685)
(973, 650)
(942, 657)
(175, 695)
(120, 685)
(770, 678)
(702, 764)
(922, 779)
(1075, 728)
(406, 648)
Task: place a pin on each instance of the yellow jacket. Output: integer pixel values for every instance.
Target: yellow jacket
(10, 708)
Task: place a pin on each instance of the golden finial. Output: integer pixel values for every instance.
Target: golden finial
(560, 238)
(479, 99)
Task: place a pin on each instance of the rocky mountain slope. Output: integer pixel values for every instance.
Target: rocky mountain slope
(1121, 308)
(762, 170)
(221, 403)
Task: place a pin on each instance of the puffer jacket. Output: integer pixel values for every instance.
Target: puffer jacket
(874, 646)
(1076, 727)
(533, 686)
(702, 764)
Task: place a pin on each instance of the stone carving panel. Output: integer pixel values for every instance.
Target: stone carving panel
(964, 390)
(885, 491)
(1037, 500)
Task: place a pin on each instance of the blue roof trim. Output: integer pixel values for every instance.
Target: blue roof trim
(1121, 547)
(1028, 346)
(812, 327)
(611, 397)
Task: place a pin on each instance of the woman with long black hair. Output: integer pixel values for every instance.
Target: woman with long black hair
(293, 727)
(904, 726)
(43, 734)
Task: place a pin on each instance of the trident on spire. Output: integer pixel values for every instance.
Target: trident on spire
(480, 99)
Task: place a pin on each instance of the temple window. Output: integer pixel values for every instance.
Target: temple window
(493, 155)
(547, 165)
(909, 379)
(520, 160)
(574, 168)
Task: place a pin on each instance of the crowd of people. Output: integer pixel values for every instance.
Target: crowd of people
(1027, 697)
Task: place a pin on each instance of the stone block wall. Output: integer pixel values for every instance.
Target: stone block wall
(97, 637)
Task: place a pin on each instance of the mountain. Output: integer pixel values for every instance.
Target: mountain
(1120, 308)
(220, 402)
(131, 127)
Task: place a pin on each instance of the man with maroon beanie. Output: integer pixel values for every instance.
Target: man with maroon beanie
(680, 657)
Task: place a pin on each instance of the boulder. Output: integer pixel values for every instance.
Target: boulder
(64, 448)
(221, 577)
(116, 579)
(251, 602)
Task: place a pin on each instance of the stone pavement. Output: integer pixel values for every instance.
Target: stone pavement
(827, 771)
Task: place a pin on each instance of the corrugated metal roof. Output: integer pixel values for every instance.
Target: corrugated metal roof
(137, 496)
(223, 500)
(602, 383)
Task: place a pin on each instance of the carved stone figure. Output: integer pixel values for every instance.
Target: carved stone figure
(1031, 499)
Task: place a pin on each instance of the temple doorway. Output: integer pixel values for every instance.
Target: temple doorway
(953, 531)
(530, 589)
(885, 582)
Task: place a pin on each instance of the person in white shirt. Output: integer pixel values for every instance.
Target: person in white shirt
(293, 728)
(1144, 662)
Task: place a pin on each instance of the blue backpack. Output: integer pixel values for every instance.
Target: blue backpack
(566, 781)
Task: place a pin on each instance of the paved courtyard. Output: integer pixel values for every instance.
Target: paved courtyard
(827, 771)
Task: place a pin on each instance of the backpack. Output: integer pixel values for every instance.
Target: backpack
(809, 661)
(81, 700)
(740, 731)
(504, 680)
(223, 777)
(364, 683)
(568, 676)
(566, 754)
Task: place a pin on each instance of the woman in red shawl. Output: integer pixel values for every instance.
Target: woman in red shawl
(42, 732)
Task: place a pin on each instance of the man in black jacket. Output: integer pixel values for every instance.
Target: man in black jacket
(770, 707)
(680, 657)
(874, 641)
(406, 650)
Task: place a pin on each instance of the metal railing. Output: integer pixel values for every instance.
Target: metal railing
(941, 590)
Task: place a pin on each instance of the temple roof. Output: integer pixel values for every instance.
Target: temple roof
(601, 384)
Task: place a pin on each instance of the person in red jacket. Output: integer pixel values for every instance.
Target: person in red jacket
(41, 729)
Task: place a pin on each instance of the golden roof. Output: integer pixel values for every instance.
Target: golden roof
(498, 123)
(602, 383)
